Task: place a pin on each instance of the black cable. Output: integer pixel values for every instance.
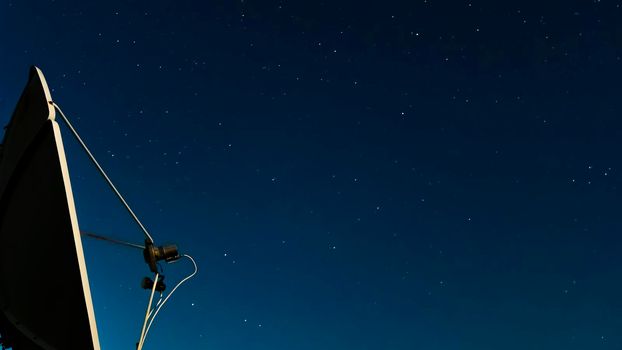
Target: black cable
(112, 240)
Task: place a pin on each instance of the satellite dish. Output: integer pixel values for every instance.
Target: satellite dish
(45, 300)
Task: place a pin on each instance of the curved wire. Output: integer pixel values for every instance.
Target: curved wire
(101, 171)
(196, 269)
(156, 305)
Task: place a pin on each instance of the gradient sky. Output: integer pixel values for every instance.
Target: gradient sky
(429, 175)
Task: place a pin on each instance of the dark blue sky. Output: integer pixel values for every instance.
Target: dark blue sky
(390, 175)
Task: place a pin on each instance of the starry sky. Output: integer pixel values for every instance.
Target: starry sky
(426, 174)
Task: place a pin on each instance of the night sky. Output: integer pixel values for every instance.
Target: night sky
(430, 175)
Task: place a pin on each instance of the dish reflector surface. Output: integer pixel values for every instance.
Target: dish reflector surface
(45, 300)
